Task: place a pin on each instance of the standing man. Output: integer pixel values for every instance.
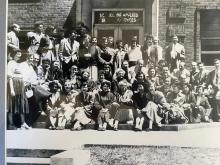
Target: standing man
(34, 37)
(68, 52)
(148, 42)
(175, 53)
(12, 40)
(214, 80)
(134, 52)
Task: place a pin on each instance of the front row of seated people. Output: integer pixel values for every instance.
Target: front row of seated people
(145, 107)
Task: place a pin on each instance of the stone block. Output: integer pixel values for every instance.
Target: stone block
(71, 157)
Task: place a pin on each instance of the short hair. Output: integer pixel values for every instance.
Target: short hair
(84, 84)
(108, 83)
(140, 73)
(148, 36)
(101, 72)
(118, 41)
(52, 84)
(120, 70)
(14, 52)
(45, 60)
(151, 68)
(14, 26)
(38, 23)
(49, 29)
(123, 82)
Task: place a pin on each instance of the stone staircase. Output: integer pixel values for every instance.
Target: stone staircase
(30, 156)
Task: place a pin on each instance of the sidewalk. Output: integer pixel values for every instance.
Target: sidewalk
(66, 139)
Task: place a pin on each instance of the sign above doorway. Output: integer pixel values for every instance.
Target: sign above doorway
(119, 16)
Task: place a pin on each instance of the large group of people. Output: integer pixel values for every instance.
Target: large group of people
(75, 79)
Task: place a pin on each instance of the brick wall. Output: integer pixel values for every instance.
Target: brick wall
(55, 12)
(192, 37)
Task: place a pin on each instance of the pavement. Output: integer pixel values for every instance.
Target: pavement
(66, 139)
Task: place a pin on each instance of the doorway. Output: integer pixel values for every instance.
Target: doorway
(119, 32)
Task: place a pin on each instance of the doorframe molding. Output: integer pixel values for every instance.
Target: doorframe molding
(128, 26)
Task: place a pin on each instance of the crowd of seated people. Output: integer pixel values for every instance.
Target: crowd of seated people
(74, 80)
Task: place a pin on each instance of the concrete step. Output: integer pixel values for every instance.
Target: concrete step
(27, 161)
(34, 153)
(180, 127)
(165, 127)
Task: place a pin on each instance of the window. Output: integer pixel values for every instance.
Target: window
(210, 35)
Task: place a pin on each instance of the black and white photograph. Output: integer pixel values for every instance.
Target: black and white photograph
(112, 82)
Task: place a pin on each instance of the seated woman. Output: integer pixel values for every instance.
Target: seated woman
(124, 112)
(105, 104)
(157, 103)
(55, 73)
(84, 111)
(53, 104)
(166, 87)
(152, 77)
(67, 105)
(140, 101)
(101, 79)
(85, 78)
(119, 77)
(74, 77)
(202, 108)
(140, 78)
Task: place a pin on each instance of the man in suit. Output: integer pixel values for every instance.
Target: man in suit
(175, 53)
(214, 80)
(68, 52)
(12, 40)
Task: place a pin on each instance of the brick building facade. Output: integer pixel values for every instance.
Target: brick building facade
(196, 22)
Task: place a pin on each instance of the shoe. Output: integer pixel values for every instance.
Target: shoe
(60, 128)
(115, 128)
(26, 126)
(12, 128)
(148, 129)
(52, 128)
(103, 129)
(100, 129)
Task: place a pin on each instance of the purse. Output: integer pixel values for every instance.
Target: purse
(29, 92)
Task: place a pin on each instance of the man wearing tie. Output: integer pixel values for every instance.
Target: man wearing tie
(175, 53)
